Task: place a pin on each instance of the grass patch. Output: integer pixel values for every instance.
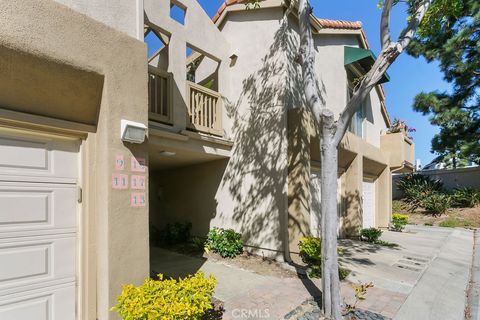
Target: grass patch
(453, 222)
(386, 244)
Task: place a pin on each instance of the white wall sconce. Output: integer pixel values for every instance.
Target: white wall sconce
(133, 132)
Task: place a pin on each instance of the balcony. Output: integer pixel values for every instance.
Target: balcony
(401, 149)
(203, 106)
(204, 109)
(160, 95)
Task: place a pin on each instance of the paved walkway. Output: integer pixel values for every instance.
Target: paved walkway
(425, 278)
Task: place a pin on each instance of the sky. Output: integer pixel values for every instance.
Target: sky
(408, 75)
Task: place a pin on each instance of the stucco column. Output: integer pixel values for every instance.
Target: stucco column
(177, 66)
(384, 199)
(121, 222)
(298, 177)
(352, 197)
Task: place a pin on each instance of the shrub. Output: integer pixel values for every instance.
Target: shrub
(399, 221)
(417, 187)
(177, 232)
(398, 205)
(310, 250)
(185, 299)
(371, 234)
(466, 197)
(198, 244)
(311, 253)
(343, 273)
(437, 203)
(226, 242)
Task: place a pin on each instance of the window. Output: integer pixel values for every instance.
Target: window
(357, 122)
(356, 126)
(193, 61)
(202, 69)
(154, 43)
(177, 12)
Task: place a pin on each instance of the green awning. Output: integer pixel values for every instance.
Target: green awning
(365, 58)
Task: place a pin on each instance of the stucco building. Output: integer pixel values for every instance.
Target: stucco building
(228, 141)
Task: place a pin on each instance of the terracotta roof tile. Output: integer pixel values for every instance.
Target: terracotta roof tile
(223, 7)
(340, 24)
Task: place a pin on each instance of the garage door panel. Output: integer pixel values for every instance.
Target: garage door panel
(36, 308)
(27, 207)
(368, 204)
(51, 303)
(21, 154)
(37, 156)
(38, 221)
(20, 262)
(35, 260)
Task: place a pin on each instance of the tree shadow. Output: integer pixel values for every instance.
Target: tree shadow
(270, 135)
(351, 203)
(257, 174)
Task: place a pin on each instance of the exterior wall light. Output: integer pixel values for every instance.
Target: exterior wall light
(133, 132)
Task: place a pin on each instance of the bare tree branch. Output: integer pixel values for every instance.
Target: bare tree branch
(408, 33)
(385, 37)
(386, 57)
(306, 58)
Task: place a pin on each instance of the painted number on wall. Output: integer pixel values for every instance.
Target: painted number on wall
(138, 200)
(119, 181)
(119, 163)
(137, 182)
(138, 164)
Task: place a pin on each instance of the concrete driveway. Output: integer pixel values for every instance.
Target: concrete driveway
(430, 269)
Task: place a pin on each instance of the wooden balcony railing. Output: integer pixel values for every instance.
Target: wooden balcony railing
(159, 95)
(204, 109)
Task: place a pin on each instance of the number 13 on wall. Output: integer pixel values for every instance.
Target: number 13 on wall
(138, 200)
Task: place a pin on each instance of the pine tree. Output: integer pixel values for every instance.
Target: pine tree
(450, 34)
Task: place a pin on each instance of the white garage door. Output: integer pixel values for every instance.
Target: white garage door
(38, 219)
(316, 204)
(368, 204)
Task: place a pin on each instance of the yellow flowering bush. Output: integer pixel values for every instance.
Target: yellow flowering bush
(170, 299)
(399, 221)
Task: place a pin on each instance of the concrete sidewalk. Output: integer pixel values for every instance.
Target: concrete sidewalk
(440, 293)
(430, 268)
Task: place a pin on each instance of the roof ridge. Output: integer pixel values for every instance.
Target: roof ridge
(325, 23)
(340, 24)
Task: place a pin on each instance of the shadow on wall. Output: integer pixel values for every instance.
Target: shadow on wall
(351, 213)
(256, 176)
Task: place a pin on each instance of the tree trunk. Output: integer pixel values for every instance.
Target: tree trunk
(329, 176)
(333, 131)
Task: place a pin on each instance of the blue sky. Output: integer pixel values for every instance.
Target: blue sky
(408, 75)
